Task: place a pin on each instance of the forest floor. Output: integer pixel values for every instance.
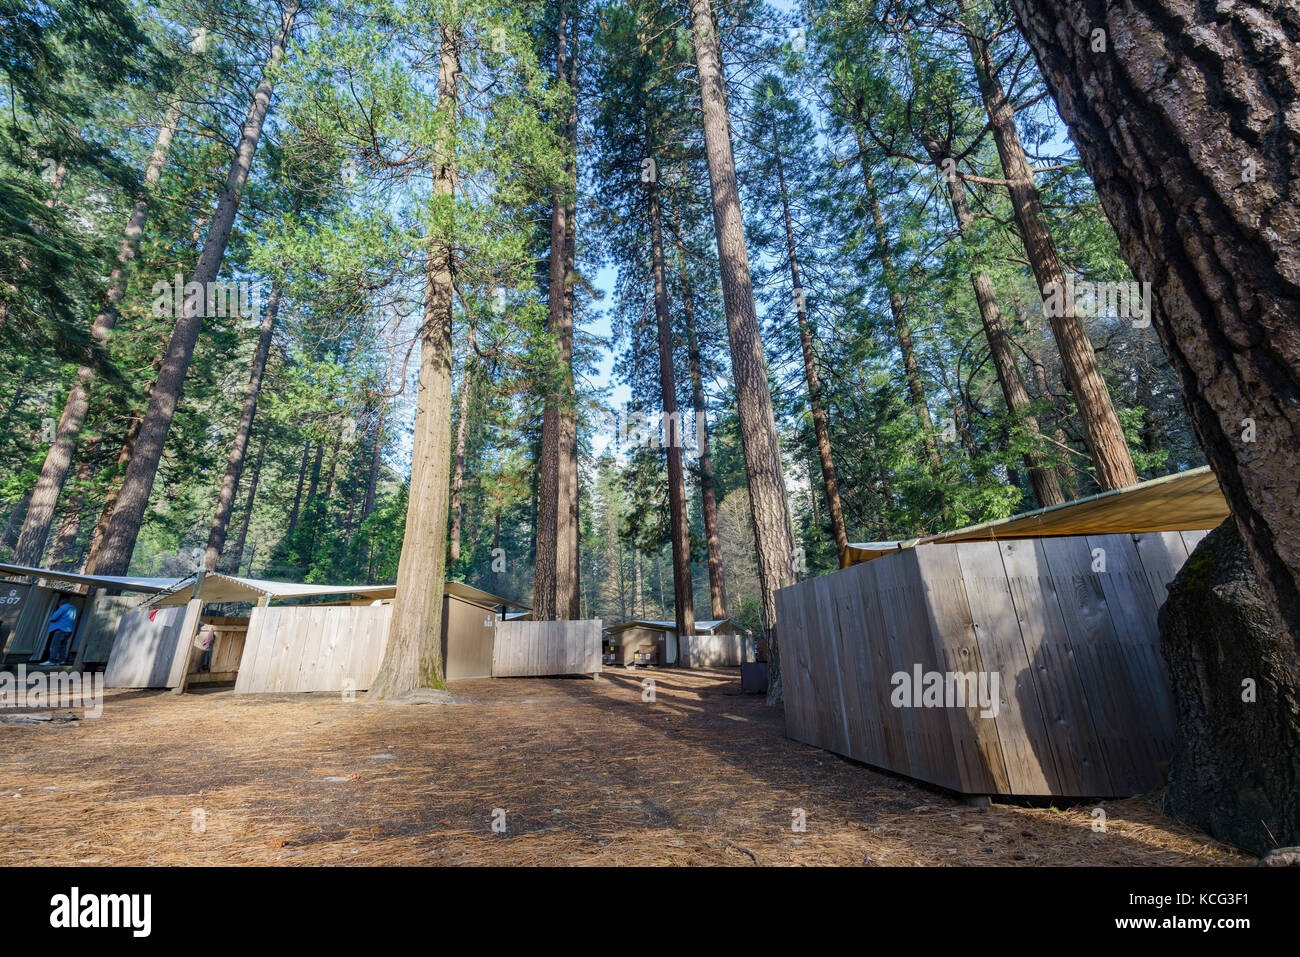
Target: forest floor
(585, 772)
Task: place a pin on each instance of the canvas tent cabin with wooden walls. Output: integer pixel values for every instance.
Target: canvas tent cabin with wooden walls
(1019, 657)
(715, 644)
(30, 596)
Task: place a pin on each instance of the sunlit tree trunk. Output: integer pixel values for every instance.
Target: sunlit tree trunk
(54, 470)
(769, 509)
(114, 557)
(413, 653)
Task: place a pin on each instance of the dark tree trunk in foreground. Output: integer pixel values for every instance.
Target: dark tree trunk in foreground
(1186, 126)
(1102, 433)
(243, 429)
(679, 523)
(769, 509)
(708, 493)
(376, 457)
(1236, 770)
(54, 471)
(820, 428)
(1042, 475)
(297, 494)
(114, 557)
(413, 654)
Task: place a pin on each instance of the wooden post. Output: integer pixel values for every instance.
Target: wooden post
(179, 676)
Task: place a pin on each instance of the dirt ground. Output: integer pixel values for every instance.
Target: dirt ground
(584, 771)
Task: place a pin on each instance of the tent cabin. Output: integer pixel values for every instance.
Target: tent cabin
(26, 607)
(1017, 657)
(715, 644)
(296, 637)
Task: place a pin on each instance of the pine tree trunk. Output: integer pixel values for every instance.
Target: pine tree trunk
(54, 471)
(64, 549)
(114, 557)
(679, 522)
(820, 428)
(769, 510)
(1102, 432)
(413, 653)
(237, 556)
(1042, 476)
(902, 330)
(297, 495)
(458, 470)
(376, 455)
(1187, 128)
(115, 489)
(568, 576)
(15, 522)
(244, 428)
(708, 492)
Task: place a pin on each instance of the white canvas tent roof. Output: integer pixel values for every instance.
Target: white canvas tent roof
(122, 582)
(220, 587)
(1187, 502)
(480, 597)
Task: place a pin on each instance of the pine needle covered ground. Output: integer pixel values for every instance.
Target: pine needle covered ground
(585, 771)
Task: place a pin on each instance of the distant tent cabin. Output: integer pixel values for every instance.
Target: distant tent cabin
(893, 661)
(26, 607)
(715, 644)
(330, 638)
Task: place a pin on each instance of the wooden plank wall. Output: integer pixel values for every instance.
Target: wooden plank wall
(718, 650)
(535, 648)
(1084, 705)
(312, 647)
(143, 648)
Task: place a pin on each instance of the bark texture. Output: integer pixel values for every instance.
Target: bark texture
(239, 442)
(769, 508)
(679, 523)
(1190, 127)
(114, 557)
(1102, 433)
(413, 653)
(1236, 770)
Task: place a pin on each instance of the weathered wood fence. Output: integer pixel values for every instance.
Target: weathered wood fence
(313, 648)
(1068, 626)
(536, 648)
(719, 650)
(144, 648)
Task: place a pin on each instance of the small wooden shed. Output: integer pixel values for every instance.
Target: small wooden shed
(715, 644)
(1019, 657)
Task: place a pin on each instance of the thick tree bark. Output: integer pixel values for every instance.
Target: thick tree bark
(679, 522)
(1042, 476)
(54, 471)
(1102, 433)
(568, 581)
(413, 654)
(769, 509)
(1187, 129)
(708, 492)
(1236, 683)
(243, 429)
(821, 429)
(237, 555)
(119, 541)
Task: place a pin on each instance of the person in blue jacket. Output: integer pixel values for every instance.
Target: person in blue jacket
(60, 630)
